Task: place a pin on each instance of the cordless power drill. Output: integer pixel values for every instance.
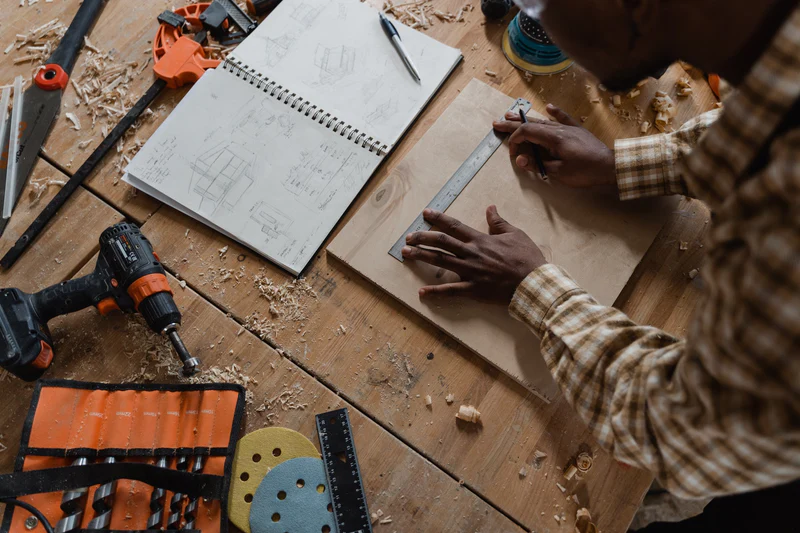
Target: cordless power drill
(128, 277)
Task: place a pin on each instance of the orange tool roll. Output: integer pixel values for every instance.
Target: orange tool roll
(83, 438)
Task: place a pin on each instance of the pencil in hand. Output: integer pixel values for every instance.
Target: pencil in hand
(536, 155)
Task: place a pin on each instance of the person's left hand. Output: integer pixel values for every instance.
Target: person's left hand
(490, 266)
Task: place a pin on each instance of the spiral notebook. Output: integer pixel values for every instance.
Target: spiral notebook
(273, 146)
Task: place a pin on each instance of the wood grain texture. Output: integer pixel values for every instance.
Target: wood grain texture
(419, 496)
(67, 240)
(489, 460)
(597, 238)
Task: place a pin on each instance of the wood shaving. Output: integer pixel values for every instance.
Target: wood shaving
(561, 487)
(634, 93)
(583, 521)
(584, 462)
(683, 246)
(644, 127)
(665, 110)
(422, 14)
(428, 400)
(523, 472)
(616, 100)
(76, 122)
(693, 273)
(468, 413)
(570, 472)
(450, 398)
(39, 186)
(490, 73)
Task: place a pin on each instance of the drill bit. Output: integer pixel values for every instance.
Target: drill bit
(190, 512)
(73, 503)
(157, 500)
(103, 502)
(176, 503)
(190, 363)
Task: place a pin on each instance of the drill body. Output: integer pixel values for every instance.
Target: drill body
(128, 277)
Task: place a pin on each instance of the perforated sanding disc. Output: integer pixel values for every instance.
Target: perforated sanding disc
(256, 454)
(293, 498)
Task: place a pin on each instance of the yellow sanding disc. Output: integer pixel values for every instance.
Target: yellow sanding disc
(256, 454)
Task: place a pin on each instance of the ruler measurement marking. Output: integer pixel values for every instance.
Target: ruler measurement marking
(458, 181)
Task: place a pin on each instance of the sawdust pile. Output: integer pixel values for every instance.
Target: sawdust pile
(288, 305)
(421, 14)
(287, 400)
(37, 44)
(230, 374)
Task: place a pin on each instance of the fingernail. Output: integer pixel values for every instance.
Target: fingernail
(409, 236)
(406, 250)
(422, 292)
(427, 211)
(550, 106)
(522, 161)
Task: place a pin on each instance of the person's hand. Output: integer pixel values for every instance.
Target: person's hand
(490, 266)
(576, 157)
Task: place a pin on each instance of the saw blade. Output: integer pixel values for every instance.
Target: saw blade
(40, 110)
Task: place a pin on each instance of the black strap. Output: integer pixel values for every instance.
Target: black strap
(76, 477)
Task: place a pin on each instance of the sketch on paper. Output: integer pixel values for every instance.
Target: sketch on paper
(221, 176)
(334, 63)
(276, 48)
(305, 14)
(382, 112)
(320, 175)
(274, 222)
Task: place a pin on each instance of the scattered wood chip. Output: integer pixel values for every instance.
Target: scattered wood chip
(683, 246)
(561, 487)
(616, 100)
(523, 472)
(490, 73)
(693, 273)
(570, 472)
(665, 110)
(584, 462)
(76, 123)
(634, 93)
(644, 127)
(428, 400)
(468, 413)
(643, 82)
(387, 520)
(450, 398)
(222, 251)
(583, 521)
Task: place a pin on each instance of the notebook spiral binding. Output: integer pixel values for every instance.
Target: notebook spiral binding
(299, 104)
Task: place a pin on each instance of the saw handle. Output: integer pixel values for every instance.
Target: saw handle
(67, 52)
(70, 296)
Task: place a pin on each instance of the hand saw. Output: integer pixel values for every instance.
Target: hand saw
(42, 101)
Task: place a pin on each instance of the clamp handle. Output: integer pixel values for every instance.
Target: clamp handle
(183, 63)
(67, 52)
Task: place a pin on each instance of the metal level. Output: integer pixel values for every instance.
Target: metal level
(341, 469)
(459, 181)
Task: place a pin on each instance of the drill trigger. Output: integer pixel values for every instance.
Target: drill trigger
(108, 306)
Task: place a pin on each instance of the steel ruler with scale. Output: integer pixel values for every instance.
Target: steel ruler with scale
(342, 471)
(459, 181)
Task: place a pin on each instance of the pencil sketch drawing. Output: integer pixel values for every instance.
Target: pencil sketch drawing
(320, 175)
(381, 112)
(305, 14)
(221, 176)
(274, 222)
(334, 63)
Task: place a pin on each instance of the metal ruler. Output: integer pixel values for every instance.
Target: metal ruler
(458, 181)
(341, 468)
(239, 17)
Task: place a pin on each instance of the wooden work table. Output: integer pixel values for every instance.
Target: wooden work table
(355, 345)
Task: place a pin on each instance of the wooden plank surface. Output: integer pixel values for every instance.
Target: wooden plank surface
(361, 363)
(597, 238)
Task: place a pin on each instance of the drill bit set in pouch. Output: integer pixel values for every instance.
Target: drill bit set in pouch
(123, 458)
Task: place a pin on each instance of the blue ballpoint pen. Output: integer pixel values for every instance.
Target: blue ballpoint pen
(391, 32)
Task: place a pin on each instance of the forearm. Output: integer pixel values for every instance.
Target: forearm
(650, 399)
(651, 166)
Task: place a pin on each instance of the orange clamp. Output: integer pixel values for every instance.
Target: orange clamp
(147, 286)
(183, 63)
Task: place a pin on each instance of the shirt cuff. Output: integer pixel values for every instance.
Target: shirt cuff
(541, 291)
(647, 166)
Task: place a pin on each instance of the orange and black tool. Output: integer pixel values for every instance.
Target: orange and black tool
(147, 429)
(179, 59)
(128, 277)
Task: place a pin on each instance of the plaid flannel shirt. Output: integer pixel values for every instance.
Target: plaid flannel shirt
(718, 412)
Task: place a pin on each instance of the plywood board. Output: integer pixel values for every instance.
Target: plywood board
(597, 238)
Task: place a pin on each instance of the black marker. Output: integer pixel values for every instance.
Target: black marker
(391, 33)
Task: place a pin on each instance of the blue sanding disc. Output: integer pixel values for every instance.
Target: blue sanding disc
(293, 498)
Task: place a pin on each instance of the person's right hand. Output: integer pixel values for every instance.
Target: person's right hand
(576, 157)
